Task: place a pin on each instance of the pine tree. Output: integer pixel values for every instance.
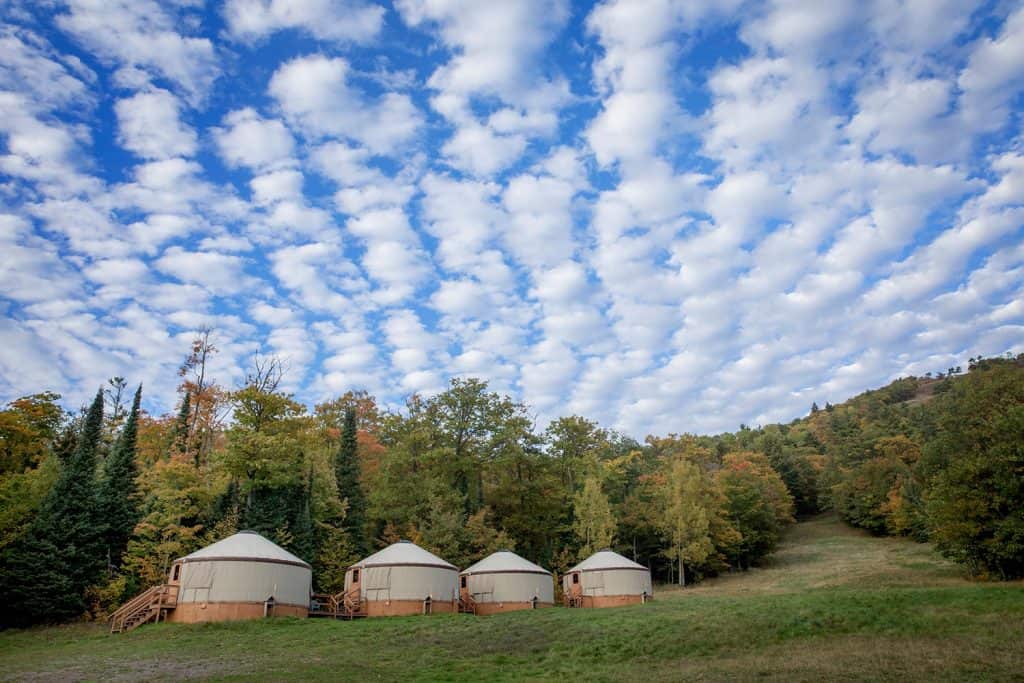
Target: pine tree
(45, 575)
(346, 473)
(117, 503)
(302, 528)
(181, 426)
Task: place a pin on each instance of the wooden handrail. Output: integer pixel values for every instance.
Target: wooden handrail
(142, 598)
(345, 604)
(467, 603)
(153, 600)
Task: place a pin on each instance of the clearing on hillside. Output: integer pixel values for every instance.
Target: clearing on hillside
(832, 604)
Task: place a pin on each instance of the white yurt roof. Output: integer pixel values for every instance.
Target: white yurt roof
(245, 545)
(606, 559)
(404, 553)
(505, 561)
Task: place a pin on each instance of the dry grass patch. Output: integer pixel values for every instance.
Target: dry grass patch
(825, 553)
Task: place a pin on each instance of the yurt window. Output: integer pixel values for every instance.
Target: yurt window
(177, 572)
(575, 578)
(355, 576)
(463, 581)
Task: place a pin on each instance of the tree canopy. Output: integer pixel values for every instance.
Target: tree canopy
(95, 506)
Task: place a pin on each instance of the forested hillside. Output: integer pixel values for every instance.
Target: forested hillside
(94, 506)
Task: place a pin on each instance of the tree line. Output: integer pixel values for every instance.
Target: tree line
(95, 506)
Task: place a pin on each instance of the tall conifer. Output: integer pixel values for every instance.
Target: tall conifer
(117, 503)
(181, 425)
(346, 473)
(44, 577)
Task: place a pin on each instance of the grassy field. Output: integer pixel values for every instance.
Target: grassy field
(833, 604)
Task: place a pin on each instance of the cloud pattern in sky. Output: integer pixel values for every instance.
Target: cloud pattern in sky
(667, 216)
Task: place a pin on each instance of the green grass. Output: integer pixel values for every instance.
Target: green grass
(833, 604)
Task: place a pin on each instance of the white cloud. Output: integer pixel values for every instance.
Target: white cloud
(462, 299)
(40, 152)
(252, 141)
(314, 93)
(29, 65)
(140, 33)
(497, 52)
(394, 256)
(118, 272)
(605, 211)
(31, 269)
(277, 186)
(220, 273)
(345, 164)
(341, 20)
(462, 216)
(354, 200)
(312, 272)
(497, 47)
(149, 125)
(479, 150)
(27, 363)
(994, 75)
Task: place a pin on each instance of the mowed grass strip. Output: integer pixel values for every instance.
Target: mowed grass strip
(796, 619)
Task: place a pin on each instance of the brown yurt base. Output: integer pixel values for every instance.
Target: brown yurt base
(611, 600)
(405, 608)
(194, 612)
(486, 608)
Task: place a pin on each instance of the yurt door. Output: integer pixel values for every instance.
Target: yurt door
(575, 585)
(356, 582)
(175, 577)
(464, 587)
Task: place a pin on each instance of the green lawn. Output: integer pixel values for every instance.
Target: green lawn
(832, 604)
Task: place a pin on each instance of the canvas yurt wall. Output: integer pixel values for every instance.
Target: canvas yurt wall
(504, 581)
(235, 578)
(399, 579)
(607, 579)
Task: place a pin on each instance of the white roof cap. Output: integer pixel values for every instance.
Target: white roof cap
(404, 553)
(505, 561)
(606, 559)
(245, 545)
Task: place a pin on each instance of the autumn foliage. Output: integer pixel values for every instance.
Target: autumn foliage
(105, 500)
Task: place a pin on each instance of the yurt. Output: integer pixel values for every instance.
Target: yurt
(606, 579)
(503, 582)
(402, 579)
(245, 576)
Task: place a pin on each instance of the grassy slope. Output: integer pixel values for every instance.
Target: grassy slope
(833, 604)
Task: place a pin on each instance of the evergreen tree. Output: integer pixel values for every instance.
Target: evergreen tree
(181, 426)
(67, 443)
(46, 574)
(346, 473)
(116, 500)
(303, 531)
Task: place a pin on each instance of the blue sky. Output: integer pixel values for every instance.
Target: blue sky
(666, 216)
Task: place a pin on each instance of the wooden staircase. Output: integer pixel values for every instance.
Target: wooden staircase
(344, 605)
(152, 605)
(574, 601)
(467, 605)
